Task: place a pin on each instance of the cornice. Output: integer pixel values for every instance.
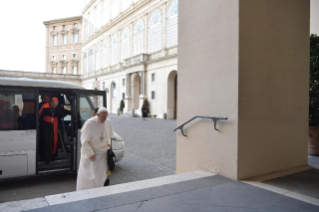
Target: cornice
(62, 20)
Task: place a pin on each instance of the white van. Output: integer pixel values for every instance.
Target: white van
(19, 131)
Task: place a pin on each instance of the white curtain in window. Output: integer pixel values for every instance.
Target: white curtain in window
(172, 24)
(106, 12)
(155, 32)
(54, 70)
(75, 37)
(64, 70)
(99, 18)
(138, 38)
(114, 50)
(97, 57)
(64, 39)
(126, 4)
(85, 28)
(105, 55)
(90, 61)
(75, 70)
(54, 40)
(85, 63)
(115, 8)
(125, 44)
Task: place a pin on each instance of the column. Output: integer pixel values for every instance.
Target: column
(128, 99)
(164, 22)
(260, 81)
(143, 93)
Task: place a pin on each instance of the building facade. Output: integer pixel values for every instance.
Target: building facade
(63, 46)
(130, 51)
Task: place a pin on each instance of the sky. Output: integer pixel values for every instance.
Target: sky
(23, 34)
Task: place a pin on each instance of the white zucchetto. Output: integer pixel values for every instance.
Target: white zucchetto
(101, 110)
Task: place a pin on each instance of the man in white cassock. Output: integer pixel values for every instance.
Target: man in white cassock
(96, 135)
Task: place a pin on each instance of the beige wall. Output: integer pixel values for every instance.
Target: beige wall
(273, 85)
(314, 17)
(247, 60)
(208, 85)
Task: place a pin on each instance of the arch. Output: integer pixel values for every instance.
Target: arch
(155, 32)
(125, 44)
(97, 57)
(114, 50)
(105, 54)
(171, 110)
(136, 91)
(85, 62)
(172, 25)
(90, 60)
(138, 38)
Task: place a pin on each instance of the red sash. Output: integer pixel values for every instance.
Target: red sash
(55, 130)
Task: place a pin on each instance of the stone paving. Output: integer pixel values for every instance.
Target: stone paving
(150, 151)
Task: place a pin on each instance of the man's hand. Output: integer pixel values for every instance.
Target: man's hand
(93, 158)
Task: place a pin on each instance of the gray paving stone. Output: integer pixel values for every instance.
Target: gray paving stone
(124, 208)
(313, 161)
(151, 206)
(79, 206)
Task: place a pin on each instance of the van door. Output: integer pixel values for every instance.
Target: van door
(87, 101)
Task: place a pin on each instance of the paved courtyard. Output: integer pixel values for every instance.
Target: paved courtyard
(150, 152)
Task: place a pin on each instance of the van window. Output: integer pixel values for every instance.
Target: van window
(17, 109)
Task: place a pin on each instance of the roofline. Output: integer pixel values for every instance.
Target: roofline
(63, 19)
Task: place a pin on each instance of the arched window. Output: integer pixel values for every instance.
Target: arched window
(114, 91)
(155, 32)
(90, 61)
(172, 24)
(97, 57)
(90, 24)
(98, 16)
(114, 50)
(85, 28)
(138, 38)
(106, 12)
(105, 55)
(125, 44)
(126, 4)
(115, 8)
(85, 63)
(94, 19)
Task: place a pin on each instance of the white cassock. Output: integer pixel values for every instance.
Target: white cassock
(95, 137)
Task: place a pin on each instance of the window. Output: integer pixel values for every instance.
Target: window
(106, 12)
(86, 28)
(123, 95)
(114, 91)
(54, 40)
(105, 55)
(91, 60)
(115, 8)
(153, 77)
(85, 63)
(64, 27)
(74, 56)
(75, 38)
(153, 94)
(54, 28)
(114, 50)
(63, 70)
(123, 82)
(126, 4)
(64, 39)
(75, 25)
(125, 51)
(63, 57)
(97, 57)
(172, 24)
(155, 32)
(75, 70)
(54, 70)
(53, 57)
(138, 38)
(18, 109)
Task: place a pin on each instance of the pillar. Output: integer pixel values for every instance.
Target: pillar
(128, 98)
(247, 60)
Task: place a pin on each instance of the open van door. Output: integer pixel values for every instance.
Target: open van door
(87, 100)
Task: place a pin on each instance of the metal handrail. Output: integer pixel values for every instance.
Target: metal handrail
(214, 118)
